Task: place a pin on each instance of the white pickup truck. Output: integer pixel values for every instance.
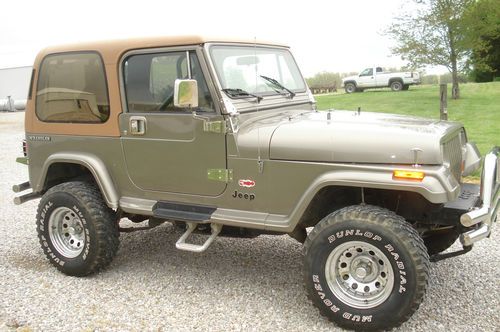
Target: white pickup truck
(375, 77)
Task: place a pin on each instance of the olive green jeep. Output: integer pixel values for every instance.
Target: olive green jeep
(222, 137)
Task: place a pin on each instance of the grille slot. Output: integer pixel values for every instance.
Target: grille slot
(452, 154)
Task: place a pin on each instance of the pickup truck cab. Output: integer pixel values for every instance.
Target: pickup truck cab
(376, 77)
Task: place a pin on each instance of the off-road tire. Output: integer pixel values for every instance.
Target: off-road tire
(390, 236)
(437, 243)
(80, 205)
(396, 86)
(350, 88)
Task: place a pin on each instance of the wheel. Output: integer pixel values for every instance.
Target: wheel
(439, 242)
(77, 230)
(350, 87)
(396, 86)
(406, 87)
(365, 268)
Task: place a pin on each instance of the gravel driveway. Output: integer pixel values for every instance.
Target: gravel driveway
(238, 284)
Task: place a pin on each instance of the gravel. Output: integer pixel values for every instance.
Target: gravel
(238, 284)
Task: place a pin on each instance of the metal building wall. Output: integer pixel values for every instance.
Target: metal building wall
(15, 82)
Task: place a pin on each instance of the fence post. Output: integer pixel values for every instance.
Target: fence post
(443, 101)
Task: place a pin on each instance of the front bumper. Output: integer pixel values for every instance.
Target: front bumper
(483, 216)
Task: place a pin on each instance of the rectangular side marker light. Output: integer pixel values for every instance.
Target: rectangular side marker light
(408, 175)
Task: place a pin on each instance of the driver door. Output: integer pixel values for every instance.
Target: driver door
(366, 78)
(166, 148)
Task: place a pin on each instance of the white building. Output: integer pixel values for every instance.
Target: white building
(14, 82)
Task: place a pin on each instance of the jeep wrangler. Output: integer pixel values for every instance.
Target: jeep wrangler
(222, 137)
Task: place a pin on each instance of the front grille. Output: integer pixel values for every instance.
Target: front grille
(452, 155)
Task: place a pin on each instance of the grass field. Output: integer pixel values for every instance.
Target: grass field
(478, 108)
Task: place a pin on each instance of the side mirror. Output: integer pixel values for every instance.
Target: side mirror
(185, 93)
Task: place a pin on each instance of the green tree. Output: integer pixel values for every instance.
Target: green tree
(483, 34)
(432, 32)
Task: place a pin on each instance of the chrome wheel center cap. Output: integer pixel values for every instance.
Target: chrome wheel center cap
(361, 272)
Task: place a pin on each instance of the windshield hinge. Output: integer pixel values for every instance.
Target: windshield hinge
(218, 127)
(219, 174)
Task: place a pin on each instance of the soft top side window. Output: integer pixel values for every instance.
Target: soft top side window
(72, 88)
(149, 81)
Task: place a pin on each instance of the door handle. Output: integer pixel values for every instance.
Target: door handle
(137, 125)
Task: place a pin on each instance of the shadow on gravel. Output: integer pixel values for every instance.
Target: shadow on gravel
(28, 262)
(272, 260)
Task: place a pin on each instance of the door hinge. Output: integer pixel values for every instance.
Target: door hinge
(218, 174)
(218, 127)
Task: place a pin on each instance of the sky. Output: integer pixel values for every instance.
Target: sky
(334, 35)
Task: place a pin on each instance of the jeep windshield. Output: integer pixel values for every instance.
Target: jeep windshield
(257, 70)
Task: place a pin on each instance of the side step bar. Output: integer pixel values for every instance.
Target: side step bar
(181, 244)
(183, 212)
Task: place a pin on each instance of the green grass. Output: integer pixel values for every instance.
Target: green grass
(478, 108)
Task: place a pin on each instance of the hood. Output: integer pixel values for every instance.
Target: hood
(366, 138)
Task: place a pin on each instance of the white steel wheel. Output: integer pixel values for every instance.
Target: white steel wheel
(66, 232)
(359, 274)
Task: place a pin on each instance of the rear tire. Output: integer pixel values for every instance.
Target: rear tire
(396, 86)
(365, 268)
(77, 230)
(350, 88)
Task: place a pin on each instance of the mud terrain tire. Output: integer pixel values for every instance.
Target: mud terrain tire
(78, 232)
(365, 268)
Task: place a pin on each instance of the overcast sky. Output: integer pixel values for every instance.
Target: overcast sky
(334, 35)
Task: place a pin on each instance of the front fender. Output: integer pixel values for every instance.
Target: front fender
(438, 185)
(93, 164)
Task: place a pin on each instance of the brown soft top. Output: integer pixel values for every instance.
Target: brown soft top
(111, 50)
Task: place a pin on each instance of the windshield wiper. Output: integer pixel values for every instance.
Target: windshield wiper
(241, 93)
(278, 85)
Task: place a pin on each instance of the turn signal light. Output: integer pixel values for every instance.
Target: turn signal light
(408, 175)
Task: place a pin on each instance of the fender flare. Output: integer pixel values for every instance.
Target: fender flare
(438, 186)
(96, 167)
